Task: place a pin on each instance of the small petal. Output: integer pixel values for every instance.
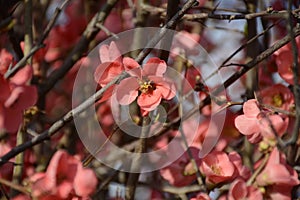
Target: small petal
(114, 52)
(132, 67)
(107, 71)
(130, 63)
(250, 108)
(104, 53)
(127, 91)
(285, 63)
(149, 102)
(154, 67)
(166, 87)
(22, 76)
(85, 182)
(246, 126)
(110, 53)
(238, 190)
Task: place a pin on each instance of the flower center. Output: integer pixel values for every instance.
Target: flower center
(216, 169)
(146, 86)
(277, 100)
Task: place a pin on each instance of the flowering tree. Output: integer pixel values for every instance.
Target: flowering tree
(95, 104)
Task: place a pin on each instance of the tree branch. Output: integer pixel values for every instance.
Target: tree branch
(89, 34)
(38, 46)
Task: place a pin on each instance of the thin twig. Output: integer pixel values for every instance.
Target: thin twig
(239, 49)
(58, 124)
(212, 15)
(295, 69)
(38, 46)
(106, 31)
(164, 30)
(137, 161)
(91, 100)
(76, 111)
(172, 9)
(258, 170)
(77, 52)
(14, 186)
(227, 83)
(21, 135)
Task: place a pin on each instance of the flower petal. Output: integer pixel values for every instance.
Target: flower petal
(85, 182)
(110, 53)
(114, 52)
(130, 63)
(155, 67)
(132, 67)
(22, 76)
(149, 102)
(250, 108)
(104, 53)
(166, 87)
(284, 63)
(246, 126)
(107, 71)
(127, 91)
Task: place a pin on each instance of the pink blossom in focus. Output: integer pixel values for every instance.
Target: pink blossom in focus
(149, 82)
(111, 66)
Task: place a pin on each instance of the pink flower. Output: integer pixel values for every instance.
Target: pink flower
(64, 36)
(239, 190)
(278, 96)
(278, 177)
(65, 178)
(111, 66)
(148, 84)
(256, 124)
(15, 97)
(6, 59)
(284, 61)
(277, 172)
(182, 172)
(217, 167)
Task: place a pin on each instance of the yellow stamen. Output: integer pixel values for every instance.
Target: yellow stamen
(277, 100)
(216, 169)
(146, 86)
